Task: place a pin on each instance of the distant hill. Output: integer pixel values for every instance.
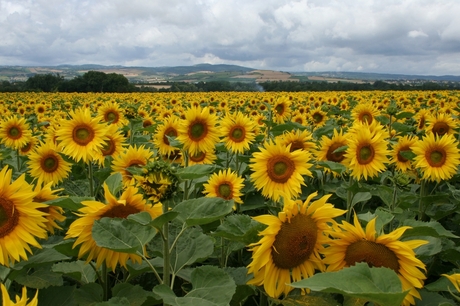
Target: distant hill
(210, 72)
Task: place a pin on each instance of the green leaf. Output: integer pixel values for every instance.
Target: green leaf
(402, 115)
(241, 228)
(432, 228)
(407, 154)
(41, 277)
(211, 286)
(114, 183)
(306, 300)
(194, 172)
(78, 270)
(89, 294)
(133, 293)
(333, 166)
(402, 128)
(58, 296)
(434, 246)
(434, 299)
(191, 247)
(71, 203)
(42, 256)
(383, 218)
(361, 197)
(442, 284)
(159, 221)
(115, 301)
(121, 235)
(378, 285)
(203, 210)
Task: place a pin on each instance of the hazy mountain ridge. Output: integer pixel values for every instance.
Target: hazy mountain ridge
(202, 72)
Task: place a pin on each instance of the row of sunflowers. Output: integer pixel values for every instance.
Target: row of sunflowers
(230, 198)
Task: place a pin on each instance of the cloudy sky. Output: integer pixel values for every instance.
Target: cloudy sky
(388, 36)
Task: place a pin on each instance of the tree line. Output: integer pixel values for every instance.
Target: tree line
(97, 81)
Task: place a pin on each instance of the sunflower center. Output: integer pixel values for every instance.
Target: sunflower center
(49, 163)
(337, 156)
(365, 117)
(83, 134)
(111, 117)
(225, 191)
(197, 131)
(365, 154)
(108, 148)
(120, 211)
(14, 132)
(280, 168)
(374, 254)
(279, 109)
(317, 117)
(296, 145)
(436, 158)
(295, 242)
(9, 217)
(237, 134)
(440, 128)
(198, 157)
(171, 132)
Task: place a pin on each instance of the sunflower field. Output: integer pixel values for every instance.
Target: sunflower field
(267, 198)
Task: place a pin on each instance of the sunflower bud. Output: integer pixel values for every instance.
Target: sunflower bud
(158, 181)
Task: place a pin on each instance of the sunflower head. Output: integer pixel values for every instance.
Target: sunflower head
(158, 180)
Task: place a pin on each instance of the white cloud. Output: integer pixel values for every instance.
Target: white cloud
(416, 33)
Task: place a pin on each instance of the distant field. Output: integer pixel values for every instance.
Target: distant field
(261, 76)
(334, 80)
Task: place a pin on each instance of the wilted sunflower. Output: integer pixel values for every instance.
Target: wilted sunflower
(437, 157)
(198, 132)
(15, 132)
(441, 124)
(20, 301)
(404, 144)
(276, 169)
(21, 220)
(367, 151)
(81, 137)
(226, 185)
(353, 244)
(157, 181)
(237, 132)
(130, 202)
(47, 165)
(131, 157)
(289, 249)
(53, 213)
(170, 128)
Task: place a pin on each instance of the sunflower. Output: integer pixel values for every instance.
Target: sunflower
(29, 147)
(276, 169)
(290, 247)
(352, 244)
(15, 132)
(237, 132)
(111, 113)
(21, 220)
(53, 213)
(328, 146)
(441, 124)
(198, 132)
(226, 185)
(297, 139)
(47, 165)
(82, 136)
(157, 182)
(130, 157)
(201, 158)
(282, 110)
(364, 113)
(437, 157)
(404, 144)
(367, 151)
(20, 301)
(318, 117)
(170, 128)
(113, 145)
(130, 202)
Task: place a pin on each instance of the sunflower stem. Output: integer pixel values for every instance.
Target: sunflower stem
(105, 284)
(151, 267)
(166, 252)
(349, 199)
(421, 206)
(90, 178)
(18, 160)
